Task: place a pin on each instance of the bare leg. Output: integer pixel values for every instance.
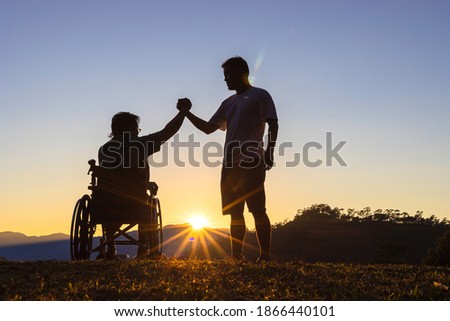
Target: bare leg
(237, 234)
(264, 234)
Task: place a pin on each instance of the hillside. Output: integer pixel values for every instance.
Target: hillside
(219, 280)
(321, 233)
(9, 238)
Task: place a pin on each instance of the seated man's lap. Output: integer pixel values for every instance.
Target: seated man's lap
(110, 208)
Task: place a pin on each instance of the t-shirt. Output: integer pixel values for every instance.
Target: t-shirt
(126, 163)
(244, 117)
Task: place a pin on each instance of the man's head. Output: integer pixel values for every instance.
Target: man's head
(236, 73)
(124, 122)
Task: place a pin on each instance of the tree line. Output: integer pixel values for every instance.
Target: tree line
(321, 233)
(324, 211)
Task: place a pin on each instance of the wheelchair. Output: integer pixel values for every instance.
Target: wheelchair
(87, 215)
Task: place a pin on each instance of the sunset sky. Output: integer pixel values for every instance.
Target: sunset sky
(375, 74)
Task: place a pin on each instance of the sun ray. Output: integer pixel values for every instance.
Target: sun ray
(175, 237)
(203, 244)
(227, 235)
(217, 232)
(184, 244)
(214, 243)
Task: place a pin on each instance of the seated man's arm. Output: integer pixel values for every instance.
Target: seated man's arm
(172, 126)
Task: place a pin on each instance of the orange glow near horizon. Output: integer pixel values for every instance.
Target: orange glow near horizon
(197, 242)
(198, 221)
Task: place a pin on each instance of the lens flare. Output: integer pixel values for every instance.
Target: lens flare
(259, 60)
(256, 66)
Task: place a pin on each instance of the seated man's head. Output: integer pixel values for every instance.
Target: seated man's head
(124, 122)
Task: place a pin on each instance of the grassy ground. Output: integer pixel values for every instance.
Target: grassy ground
(219, 280)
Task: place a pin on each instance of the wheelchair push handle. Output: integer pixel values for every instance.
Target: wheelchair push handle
(91, 166)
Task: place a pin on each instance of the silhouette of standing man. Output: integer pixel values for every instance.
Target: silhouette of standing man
(243, 116)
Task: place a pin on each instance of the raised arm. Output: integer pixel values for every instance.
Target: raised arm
(201, 124)
(174, 125)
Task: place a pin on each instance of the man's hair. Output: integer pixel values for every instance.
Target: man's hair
(123, 122)
(238, 64)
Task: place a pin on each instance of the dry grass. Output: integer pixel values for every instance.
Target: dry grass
(219, 280)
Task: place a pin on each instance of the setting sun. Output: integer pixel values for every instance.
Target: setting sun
(198, 222)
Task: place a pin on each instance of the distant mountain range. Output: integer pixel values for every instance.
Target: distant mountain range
(179, 241)
(14, 238)
(313, 236)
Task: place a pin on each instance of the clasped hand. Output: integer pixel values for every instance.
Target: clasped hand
(184, 104)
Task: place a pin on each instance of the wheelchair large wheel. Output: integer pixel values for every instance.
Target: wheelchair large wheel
(155, 234)
(81, 233)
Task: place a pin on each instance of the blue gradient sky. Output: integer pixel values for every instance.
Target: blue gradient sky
(375, 73)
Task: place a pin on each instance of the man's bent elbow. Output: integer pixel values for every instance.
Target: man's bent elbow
(210, 128)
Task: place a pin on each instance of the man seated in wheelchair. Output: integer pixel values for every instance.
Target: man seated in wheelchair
(121, 193)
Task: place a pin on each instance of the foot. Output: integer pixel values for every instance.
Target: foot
(264, 258)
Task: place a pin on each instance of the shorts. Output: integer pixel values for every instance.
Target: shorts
(240, 185)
